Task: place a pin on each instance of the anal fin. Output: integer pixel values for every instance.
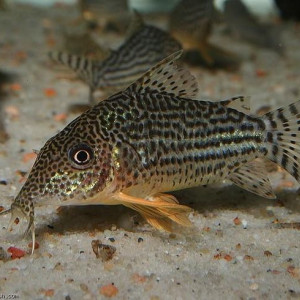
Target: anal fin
(160, 210)
(253, 178)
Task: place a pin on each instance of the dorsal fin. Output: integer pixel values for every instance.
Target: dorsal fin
(166, 77)
(239, 103)
(136, 23)
(253, 178)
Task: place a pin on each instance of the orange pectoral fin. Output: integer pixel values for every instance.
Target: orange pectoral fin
(159, 211)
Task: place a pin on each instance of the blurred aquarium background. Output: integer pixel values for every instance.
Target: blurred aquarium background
(260, 7)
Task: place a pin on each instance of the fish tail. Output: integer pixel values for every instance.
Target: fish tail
(83, 66)
(283, 138)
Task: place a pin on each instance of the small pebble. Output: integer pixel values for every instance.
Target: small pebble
(267, 253)
(137, 278)
(293, 271)
(109, 290)
(248, 257)
(16, 252)
(36, 245)
(228, 257)
(49, 292)
(58, 267)
(84, 287)
(253, 286)
(12, 112)
(105, 252)
(16, 87)
(237, 221)
(260, 73)
(50, 92)
(245, 224)
(238, 246)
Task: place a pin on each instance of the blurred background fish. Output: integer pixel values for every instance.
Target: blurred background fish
(244, 25)
(112, 15)
(83, 44)
(289, 9)
(2, 4)
(191, 22)
(145, 46)
(5, 79)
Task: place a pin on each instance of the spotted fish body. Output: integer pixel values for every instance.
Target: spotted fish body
(144, 48)
(152, 138)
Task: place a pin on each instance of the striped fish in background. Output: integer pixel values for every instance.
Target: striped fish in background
(83, 44)
(146, 46)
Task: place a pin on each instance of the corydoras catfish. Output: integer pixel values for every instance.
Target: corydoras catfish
(155, 137)
(146, 46)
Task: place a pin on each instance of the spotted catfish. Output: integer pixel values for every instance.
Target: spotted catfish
(152, 138)
(145, 47)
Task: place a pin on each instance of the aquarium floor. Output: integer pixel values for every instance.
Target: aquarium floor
(239, 246)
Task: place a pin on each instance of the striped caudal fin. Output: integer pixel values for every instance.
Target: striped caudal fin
(283, 138)
(82, 66)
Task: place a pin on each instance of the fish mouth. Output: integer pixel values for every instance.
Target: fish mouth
(17, 212)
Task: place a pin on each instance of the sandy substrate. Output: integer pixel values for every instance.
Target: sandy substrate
(236, 248)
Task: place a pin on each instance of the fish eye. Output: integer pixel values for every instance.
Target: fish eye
(81, 156)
